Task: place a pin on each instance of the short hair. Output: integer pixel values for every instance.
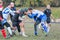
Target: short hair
(30, 8)
(9, 3)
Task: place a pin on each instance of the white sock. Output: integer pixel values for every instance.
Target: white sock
(23, 33)
(9, 30)
(20, 32)
(48, 29)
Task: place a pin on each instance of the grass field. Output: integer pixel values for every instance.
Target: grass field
(53, 35)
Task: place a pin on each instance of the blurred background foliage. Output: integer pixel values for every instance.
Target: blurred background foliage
(34, 3)
(37, 4)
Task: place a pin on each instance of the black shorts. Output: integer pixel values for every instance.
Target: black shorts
(6, 24)
(48, 20)
(16, 23)
(1, 14)
(1, 26)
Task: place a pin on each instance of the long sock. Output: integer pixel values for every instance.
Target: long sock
(3, 33)
(23, 33)
(48, 29)
(35, 29)
(44, 27)
(9, 30)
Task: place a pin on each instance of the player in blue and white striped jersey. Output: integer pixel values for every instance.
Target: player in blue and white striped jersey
(39, 17)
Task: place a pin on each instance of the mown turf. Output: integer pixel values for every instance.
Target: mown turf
(53, 35)
(56, 12)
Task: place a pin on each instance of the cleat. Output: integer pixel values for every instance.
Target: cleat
(8, 36)
(14, 34)
(46, 35)
(20, 33)
(36, 33)
(24, 35)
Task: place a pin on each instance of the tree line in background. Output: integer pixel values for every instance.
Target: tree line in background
(34, 3)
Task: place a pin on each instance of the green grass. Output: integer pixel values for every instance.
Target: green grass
(56, 12)
(53, 35)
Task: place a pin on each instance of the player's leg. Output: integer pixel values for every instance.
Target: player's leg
(48, 23)
(14, 29)
(14, 25)
(8, 28)
(18, 28)
(3, 30)
(44, 24)
(35, 26)
(1, 26)
(21, 24)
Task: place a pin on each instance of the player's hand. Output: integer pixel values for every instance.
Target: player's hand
(25, 13)
(17, 11)
(28, 12)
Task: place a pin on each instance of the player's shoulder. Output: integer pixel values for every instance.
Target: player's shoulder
(6, 9)
(23, 9)
(47, 9)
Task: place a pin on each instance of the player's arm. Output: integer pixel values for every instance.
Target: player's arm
(52, 17)
(31, 15)
(12, 12)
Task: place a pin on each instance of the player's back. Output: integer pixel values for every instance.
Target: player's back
(5, 12)
(47, 12)
(38, 12)
(15, 17)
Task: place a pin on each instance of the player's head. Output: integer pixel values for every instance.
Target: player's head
(30, 10)
(25, 11)
(11, 4)
(48, 6)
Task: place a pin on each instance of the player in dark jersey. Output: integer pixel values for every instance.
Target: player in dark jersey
(14, 27)
(47, 11)
(17, 19)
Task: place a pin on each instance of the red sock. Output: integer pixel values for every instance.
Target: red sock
(3, 33)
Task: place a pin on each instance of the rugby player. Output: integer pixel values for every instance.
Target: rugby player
(18, 20)
(39, 17)
(14, 27)
(47, 12)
